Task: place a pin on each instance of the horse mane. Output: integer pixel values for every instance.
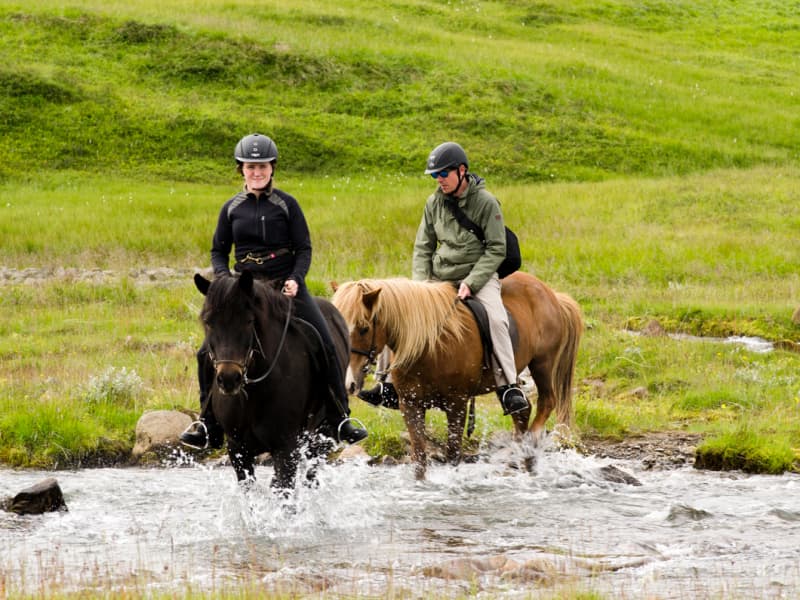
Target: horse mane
(225, 291)
(419, 316)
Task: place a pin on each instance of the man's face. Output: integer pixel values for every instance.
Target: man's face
(448, 179)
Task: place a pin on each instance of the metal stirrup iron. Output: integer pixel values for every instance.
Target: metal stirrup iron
(505, 406)
(348, 419)
(205, 434)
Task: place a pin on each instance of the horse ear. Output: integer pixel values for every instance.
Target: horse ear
(335, 286)
(246, 282)
(370, 298)
(201, 283)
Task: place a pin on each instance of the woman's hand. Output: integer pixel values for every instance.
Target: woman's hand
(290, 288)
(464, 291)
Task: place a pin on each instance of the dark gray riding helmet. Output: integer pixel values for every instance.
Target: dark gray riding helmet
(446, 155)
(256, 148)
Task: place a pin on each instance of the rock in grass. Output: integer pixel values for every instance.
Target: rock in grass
(42, 497)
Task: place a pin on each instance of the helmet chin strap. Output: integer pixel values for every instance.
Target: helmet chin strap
(461, 178)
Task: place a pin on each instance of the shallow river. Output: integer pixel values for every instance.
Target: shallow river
(483, 530)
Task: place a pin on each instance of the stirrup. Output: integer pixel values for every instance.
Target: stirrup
(509, 410)
(347, 420)
(205, 435)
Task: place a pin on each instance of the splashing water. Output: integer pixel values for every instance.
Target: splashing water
(487, 529)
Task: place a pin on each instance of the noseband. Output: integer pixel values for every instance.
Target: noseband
(255, 344)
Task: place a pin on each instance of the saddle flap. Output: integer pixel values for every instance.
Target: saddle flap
(482, 320)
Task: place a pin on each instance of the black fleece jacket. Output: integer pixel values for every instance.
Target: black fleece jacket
(259, 225)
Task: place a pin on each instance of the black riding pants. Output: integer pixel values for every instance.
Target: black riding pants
(307, 309)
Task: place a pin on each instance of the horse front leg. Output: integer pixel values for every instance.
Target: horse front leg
(414, 416)
(285, 463)
(456, 419)
(242, 461)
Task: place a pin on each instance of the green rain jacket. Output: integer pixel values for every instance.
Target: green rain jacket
(445, 251)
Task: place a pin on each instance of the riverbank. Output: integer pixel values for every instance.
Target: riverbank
(88, 351)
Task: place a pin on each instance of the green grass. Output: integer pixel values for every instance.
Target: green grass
(645, 153)
(545, 91)
(60, 335)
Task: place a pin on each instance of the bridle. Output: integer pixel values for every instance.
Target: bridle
(255, 345)
(371, 354)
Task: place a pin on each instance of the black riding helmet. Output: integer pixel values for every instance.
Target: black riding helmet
(448, 156)
(256, 148)
(444, 156)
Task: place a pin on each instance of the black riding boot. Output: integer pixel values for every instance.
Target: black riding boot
(511, 399)
(383, 394)
(338, 411)
(345, 429)
(206, 432)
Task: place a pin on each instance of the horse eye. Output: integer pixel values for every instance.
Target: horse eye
(363, 330)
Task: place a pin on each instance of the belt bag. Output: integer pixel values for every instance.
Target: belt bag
(513, 259)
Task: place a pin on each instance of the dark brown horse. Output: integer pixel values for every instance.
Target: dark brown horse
(438, 359)
(269, 385)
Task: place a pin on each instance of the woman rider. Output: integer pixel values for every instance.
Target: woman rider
(268, 230)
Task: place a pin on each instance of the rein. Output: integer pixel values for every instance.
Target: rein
(251, 351)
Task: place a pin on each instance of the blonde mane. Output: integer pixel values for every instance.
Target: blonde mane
(417, 316)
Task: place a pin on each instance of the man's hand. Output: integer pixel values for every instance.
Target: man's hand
(464, 291)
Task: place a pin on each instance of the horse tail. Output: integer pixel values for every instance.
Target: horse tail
(567, 357)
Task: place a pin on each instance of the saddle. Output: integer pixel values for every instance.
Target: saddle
(482, 320)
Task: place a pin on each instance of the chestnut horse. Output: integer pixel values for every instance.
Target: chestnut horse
(438, 358)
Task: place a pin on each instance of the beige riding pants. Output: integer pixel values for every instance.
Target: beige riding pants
(504, 368)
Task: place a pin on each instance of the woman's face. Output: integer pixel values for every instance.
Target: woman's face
(257, 175)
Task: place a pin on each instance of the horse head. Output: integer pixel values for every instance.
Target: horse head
(229, 319)
(358, 304)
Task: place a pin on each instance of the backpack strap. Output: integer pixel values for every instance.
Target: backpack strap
(465, 221)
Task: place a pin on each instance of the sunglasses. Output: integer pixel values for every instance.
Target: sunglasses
(443, 173)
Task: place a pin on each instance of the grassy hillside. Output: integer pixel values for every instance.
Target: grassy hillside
(549, 90)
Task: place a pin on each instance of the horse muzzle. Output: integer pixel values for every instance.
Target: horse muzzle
(230, 379)
(353, 383)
